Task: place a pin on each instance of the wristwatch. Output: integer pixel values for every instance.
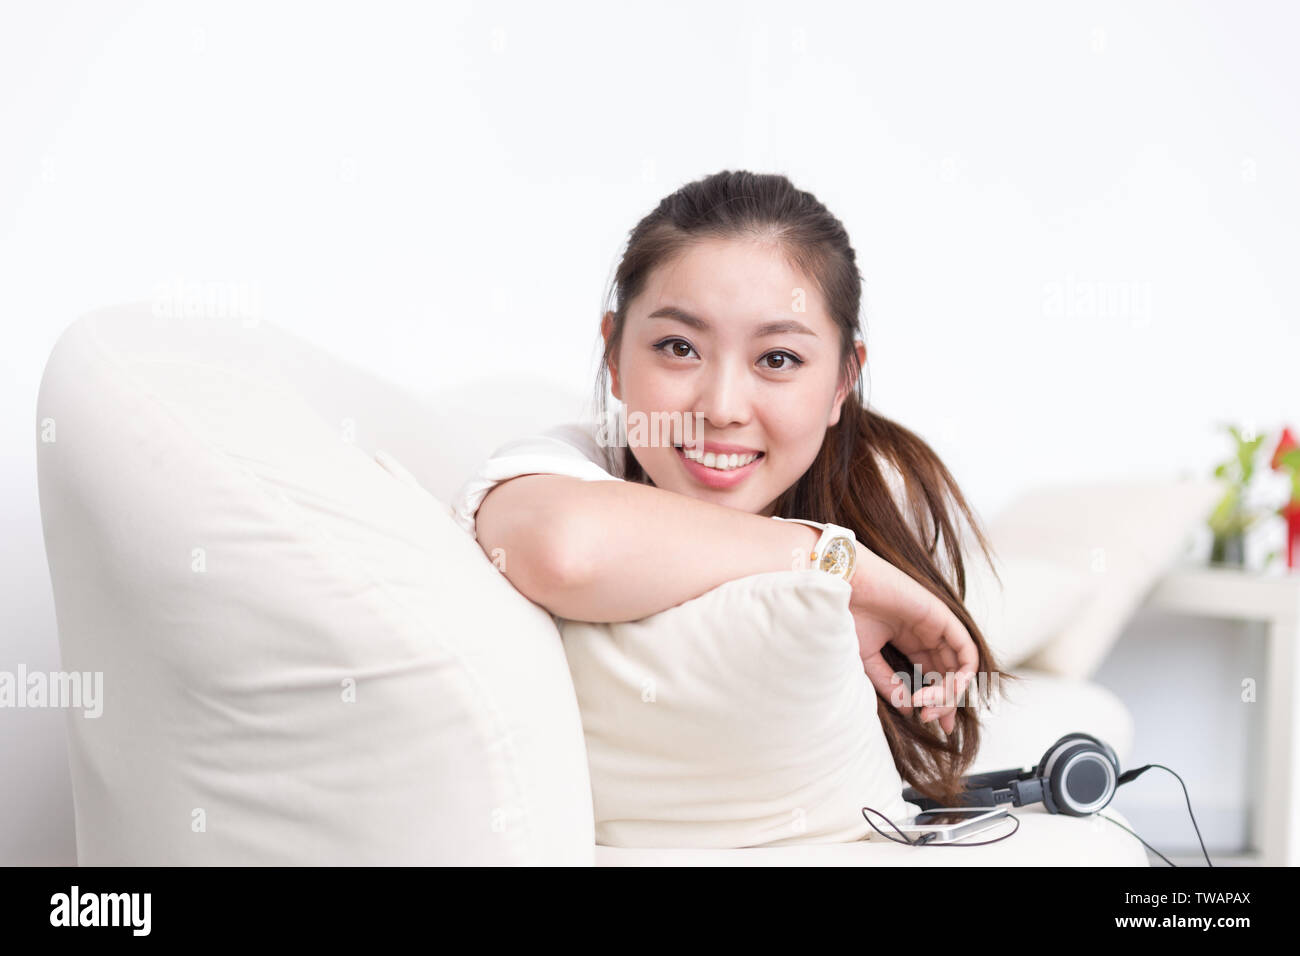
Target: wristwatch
(836, 551)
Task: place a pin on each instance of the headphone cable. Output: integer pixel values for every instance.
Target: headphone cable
(1133, 775)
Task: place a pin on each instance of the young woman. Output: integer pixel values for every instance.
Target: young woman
(736, 312)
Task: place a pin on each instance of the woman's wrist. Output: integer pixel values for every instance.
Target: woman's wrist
(803, 543)
(865, 569)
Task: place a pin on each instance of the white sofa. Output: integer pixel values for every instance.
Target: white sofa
(247, 536)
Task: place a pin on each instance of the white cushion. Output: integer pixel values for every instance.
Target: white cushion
(1123, 534)
(739, 718)
(1033, 603)
(305, 661)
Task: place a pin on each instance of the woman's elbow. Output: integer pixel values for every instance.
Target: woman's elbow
(540, 558)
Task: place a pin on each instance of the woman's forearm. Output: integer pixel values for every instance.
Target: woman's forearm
(620, 551)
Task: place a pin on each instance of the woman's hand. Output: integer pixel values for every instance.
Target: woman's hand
(890, 607)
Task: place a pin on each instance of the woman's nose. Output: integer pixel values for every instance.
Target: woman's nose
(724, 398)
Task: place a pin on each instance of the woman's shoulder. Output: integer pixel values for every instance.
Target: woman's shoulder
(591, 440)
(572, 449)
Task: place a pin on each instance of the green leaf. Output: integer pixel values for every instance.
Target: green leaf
(1220, 518)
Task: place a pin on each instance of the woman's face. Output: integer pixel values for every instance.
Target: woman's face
(694, 345)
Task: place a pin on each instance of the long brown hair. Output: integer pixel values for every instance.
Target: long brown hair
(845, 483)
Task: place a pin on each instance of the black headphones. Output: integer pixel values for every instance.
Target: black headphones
(1077, 776)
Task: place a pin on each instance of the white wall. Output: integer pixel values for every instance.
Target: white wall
(436, 190)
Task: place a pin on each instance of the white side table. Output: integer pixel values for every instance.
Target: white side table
(1274, 600)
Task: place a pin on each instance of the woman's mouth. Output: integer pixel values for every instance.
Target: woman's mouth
(716, 471)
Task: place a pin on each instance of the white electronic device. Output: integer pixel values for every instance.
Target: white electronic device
(949, 824)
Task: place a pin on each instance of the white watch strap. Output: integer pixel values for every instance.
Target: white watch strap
(829, 532)
(812, 524)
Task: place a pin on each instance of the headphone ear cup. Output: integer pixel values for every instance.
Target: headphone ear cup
(1107, 750)
(1079, 775)
(1041, 768)
(1083, 779)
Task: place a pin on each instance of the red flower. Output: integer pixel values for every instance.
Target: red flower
(1284, 444)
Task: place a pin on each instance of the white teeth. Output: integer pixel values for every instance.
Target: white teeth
(719, 462)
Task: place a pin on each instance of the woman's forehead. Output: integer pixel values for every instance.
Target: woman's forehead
(730, 287)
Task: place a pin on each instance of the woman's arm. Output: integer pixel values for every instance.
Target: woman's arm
(607, 551)
(619, 551)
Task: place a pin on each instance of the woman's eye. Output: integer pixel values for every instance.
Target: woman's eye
(792, 359)
(670, 347)
(668, 344)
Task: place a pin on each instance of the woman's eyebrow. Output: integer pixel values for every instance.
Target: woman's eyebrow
(776, 327)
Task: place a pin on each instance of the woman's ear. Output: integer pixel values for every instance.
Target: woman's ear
(606, 330)
(843, 393)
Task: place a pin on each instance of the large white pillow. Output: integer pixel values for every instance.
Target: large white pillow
(304, 660)
(739, 718)
(1123, 534)
(1035, 601)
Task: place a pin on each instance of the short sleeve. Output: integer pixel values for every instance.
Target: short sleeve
(564, 450)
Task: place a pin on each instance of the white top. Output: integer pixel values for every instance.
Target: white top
(564, 450)
(573, 449)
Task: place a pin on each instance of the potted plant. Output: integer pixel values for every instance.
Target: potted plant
(1230, 518)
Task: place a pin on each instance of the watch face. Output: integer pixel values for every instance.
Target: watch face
(840, 557)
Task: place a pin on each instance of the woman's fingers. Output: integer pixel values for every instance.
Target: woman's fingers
(935, 701)
(886, 681)
(930, 699)
(924, 629)
(962, 645)
(961, 659)
(940, 699)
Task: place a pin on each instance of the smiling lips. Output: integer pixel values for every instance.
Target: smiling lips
(719, 471)
(722, 462)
